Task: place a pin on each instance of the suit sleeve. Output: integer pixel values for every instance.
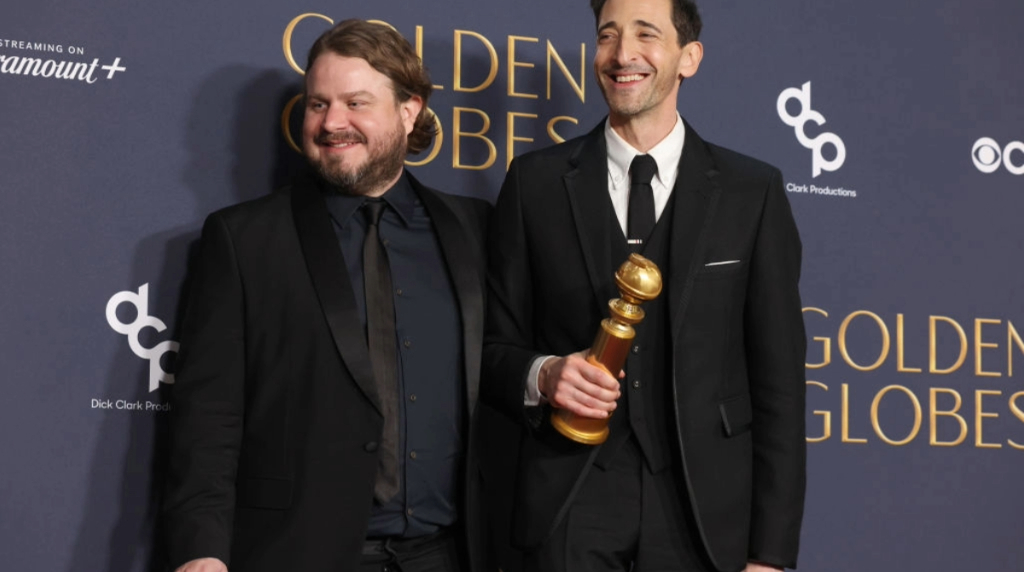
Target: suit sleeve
(508, 341)
(207, 406)
(776, 348)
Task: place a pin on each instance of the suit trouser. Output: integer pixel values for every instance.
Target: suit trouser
(624, 518)
(434, 553)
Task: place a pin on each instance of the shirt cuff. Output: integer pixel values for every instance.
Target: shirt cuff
(532, 396)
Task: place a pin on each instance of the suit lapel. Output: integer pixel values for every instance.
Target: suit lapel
(696, 193)
(457, 246)
(587, 188)
(332, 284)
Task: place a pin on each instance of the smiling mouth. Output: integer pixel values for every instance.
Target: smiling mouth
(628, 78)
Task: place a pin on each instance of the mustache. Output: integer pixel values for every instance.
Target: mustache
(348, 136)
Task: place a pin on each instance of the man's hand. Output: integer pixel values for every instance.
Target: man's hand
(572, 383)
(203, 565)
(758, 567)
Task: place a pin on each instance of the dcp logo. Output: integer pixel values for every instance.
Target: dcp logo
(988, 157)
(142, 320)
(818, 161)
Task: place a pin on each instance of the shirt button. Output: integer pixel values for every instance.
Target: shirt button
(412, 397)
(398, 291)
(636, 349)
(407, 343)
(636, 384)
(412, 455)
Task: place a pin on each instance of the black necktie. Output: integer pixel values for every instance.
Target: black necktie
(380, 334)
(640, 219)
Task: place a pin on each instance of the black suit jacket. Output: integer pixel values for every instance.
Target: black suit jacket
(276, 418)
(737, 336)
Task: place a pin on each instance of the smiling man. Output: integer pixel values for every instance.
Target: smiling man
(704, 468)
(324, 408)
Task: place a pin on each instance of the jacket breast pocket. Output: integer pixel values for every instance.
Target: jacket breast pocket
(269, 493)
(722, 269)
(737, 415)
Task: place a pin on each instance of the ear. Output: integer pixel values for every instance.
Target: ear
(409, 110)
(690, 61)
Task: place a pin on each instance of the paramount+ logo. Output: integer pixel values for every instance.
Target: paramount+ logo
(799, 122)
(988, 156)
(140, 300)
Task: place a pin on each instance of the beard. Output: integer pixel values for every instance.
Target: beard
(383, 162)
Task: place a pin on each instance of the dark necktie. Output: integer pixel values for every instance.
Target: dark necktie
(640, 219)
(380, 334)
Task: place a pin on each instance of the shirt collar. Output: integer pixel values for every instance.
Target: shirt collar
(666, 153)
(401, 198)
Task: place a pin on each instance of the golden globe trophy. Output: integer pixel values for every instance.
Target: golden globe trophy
(639, 280)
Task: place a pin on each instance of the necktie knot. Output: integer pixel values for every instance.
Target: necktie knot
(642, 169)
(373, 209)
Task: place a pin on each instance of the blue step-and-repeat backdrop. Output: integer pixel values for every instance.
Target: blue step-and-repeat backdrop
(899, 126)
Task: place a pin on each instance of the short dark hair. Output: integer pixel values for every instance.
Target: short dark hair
(389, 53)
(685, 17)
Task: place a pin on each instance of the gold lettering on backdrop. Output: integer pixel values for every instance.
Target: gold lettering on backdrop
(826, 418)
(826, 343)
(933, 351)
(513, 64)
(458, 134)
(512, 138)
(286, 40)
(576, 87)
(899, 348)
(551, 127)
(935, 413)
(491, 74)
(846, 417)
(979, 415)
(285, 124)
(438, 141)
(1012, 338)
(885, 340)
(466, 44)
(878, 427)
(1019, 414)
(979, 345)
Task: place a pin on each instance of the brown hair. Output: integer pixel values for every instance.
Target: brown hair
(685, 18)
(389, 53)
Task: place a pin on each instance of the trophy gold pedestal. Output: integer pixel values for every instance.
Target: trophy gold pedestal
(639, 280)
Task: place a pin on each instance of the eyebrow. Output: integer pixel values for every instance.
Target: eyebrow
(640, 23)
(347, 95)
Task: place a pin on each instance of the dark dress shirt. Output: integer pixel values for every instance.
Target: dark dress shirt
(429, 342)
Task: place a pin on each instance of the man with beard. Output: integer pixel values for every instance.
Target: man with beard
(324, 406)
(704, 467)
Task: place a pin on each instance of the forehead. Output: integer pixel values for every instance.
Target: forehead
(332, 73)
(626, 12)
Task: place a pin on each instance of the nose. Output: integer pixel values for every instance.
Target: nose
(335, 118)
(624, 50)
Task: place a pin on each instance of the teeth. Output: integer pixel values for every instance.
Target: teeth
(628, 78)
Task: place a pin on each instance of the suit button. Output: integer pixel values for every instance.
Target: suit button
(636, 384)
(370, 447)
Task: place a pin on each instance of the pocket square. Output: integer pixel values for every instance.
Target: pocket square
(722, 263)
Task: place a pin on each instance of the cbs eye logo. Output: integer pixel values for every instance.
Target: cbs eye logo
(988, 157)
